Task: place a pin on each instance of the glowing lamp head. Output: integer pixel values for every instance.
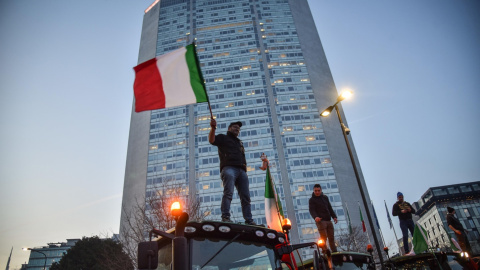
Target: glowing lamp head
(286, 224)
(344, 95)
(176, 209)
(327, 111)
(369, 248)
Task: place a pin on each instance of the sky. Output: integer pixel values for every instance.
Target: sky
(66, 97)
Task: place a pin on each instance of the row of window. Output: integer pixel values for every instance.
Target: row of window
(166, 178)
(162, 155)
(312, 174)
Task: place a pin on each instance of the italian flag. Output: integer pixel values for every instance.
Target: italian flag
(169, 80)
(273, 206)
(361, 218)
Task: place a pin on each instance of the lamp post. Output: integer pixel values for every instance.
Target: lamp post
(346, 131)
(32, 250)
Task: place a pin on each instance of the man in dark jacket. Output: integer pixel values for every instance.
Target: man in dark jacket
(233, 169)
(404, 211)
(457, 227)
(321, 210)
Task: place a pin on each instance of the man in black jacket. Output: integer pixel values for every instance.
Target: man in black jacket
(404, 211)
(321, 210)
(233, 169)
(457, 227)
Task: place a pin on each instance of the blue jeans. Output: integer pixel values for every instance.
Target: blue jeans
(405, 226)
(235, 176)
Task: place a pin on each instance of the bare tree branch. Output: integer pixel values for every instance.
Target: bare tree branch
(154, 212)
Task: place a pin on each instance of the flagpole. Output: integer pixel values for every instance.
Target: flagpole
(350, 228)
(359, 207)
(271, 184)
(378, 225)
(8, 262)
(202, 80)
(395, 233)
(276, 195)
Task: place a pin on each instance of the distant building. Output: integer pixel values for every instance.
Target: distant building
(53, 253)
(432, 212)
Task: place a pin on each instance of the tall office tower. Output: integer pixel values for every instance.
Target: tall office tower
(264, 65)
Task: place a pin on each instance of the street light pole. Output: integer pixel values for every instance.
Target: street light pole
(360, 186)
(45, 263)
(345, 132)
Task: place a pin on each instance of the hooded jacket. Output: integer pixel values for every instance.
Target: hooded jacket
(319, 206)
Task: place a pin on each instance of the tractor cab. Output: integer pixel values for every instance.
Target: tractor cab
(433, 260)
(215, 245)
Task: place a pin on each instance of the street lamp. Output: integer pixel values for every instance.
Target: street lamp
(33, 250)
(346, 131)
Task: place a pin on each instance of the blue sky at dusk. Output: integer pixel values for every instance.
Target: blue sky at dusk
(66, 97)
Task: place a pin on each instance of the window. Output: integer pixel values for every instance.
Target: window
(467, 213)
(472, 225)
(439, 192)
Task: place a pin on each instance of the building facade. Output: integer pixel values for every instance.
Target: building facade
(264, 65)
(432, 212)
(49, 254)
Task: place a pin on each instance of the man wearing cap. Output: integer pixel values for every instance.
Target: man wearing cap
(457, 227)
(404, 211)
(233, 169)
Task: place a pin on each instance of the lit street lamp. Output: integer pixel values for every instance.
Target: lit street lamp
(32, 250)
(346, 131)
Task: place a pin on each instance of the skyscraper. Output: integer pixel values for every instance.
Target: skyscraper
(264, 65)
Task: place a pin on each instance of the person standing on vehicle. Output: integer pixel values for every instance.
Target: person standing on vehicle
(233, 169)
(457, 227)
(404, 211)
(322, 212)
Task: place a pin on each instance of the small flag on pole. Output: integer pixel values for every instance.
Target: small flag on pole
(273, 206)
(361, 218)
(420, 240)
(349, 222)
(169, 80)
(388, 215)
(375, 216)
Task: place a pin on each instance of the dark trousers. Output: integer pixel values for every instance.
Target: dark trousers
(325, 228)
(406, 225)
(235, 177)
(463, 242)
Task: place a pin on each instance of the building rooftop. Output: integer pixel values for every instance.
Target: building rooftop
(456, 192)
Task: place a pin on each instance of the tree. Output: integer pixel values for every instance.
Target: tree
(154, 212)
(356, 241)
(93, 253)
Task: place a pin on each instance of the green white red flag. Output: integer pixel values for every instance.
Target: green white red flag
(273, 206)
(364, 228)
(169, 80)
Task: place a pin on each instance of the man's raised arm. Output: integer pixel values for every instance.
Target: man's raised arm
(211, 135)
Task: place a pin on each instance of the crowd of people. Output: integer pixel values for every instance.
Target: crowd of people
(233, 173)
